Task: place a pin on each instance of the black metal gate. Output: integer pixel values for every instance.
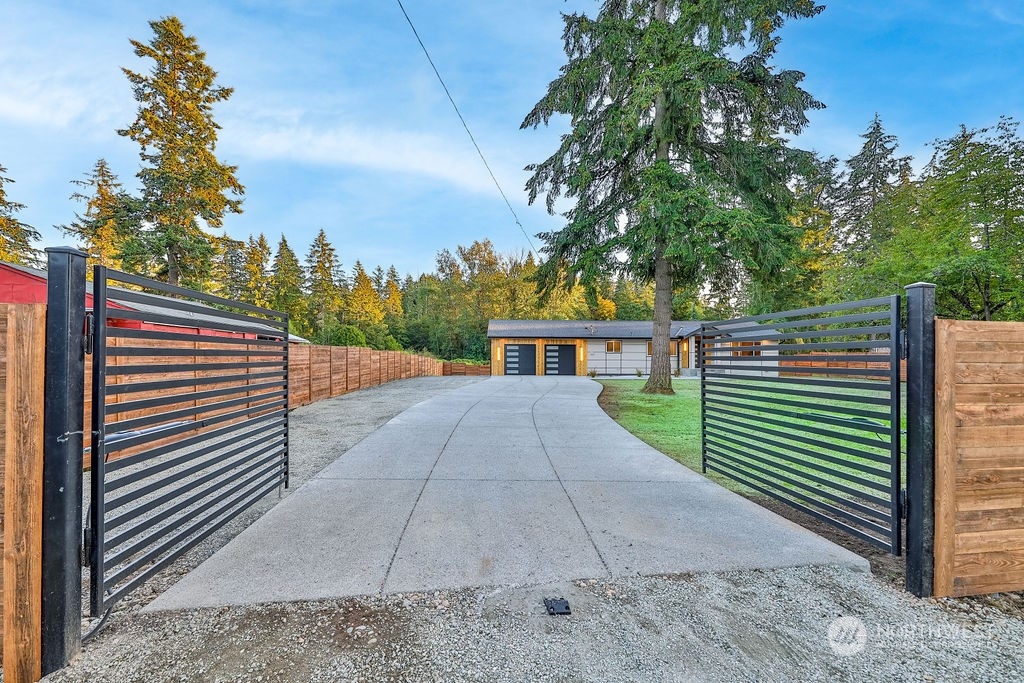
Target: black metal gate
(804, 406)
(189, 423)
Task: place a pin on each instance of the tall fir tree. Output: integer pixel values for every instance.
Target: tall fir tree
(286, 283)
(185, 187)
(675, 156)
(15, 237)
(227, 272)
(363, 307)
(394, 314)
(869, 177)
(110, 217)
(378, 278)
(257, 279)
(325, 287)
(392, 294)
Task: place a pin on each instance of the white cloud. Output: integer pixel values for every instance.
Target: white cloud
(352, 146)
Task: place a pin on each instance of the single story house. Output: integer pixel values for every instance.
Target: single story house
(577, 347)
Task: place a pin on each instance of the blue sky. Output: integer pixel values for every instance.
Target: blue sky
(337, 121)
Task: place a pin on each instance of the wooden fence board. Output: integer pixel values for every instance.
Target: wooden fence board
(339, 371)
(23, 492)
(319, 373)
(979, 457)
(298, 375)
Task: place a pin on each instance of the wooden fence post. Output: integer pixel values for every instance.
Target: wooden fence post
(23, 495)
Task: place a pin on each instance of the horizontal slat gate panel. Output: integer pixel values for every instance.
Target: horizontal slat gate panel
(804, 406)
(189, 414)
(979, 485)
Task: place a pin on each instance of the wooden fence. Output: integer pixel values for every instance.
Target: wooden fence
(979, 457)
(465, 369)
(319, 372)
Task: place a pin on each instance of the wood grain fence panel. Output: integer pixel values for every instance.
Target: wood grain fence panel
(339, 371)
(351, 369)
(298, 375)
(375, 357)
(319, 373)
(364, 368)
(979, 457)
(22, 455)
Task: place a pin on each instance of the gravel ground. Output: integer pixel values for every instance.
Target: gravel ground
(741, 626)
(761, 625)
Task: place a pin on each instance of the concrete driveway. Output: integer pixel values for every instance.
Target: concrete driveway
(509, 481)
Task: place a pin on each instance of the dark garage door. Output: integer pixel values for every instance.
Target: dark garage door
(560, 359)
(520, 359)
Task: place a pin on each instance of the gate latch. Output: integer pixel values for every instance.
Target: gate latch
(90, 332)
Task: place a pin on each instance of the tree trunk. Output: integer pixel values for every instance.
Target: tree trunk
(173, 267)
(660, 381)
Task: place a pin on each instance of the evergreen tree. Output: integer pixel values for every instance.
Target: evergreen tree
(392, 294)
(325, 286)
(184, 186)
(15, 236)
(110, 217)
(286, 282)
(363, 307)
(394, 314)
(675, 157)
(870, 176)
(227, 273)
(961, 226)
(378, 278)
(257, 279)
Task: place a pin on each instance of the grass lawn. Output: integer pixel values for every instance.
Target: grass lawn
(669, 423)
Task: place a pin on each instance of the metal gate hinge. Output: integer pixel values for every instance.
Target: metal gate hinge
(904, 349)
(903, 503)
(90, 333)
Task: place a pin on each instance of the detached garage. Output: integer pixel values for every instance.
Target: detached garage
(576, 347)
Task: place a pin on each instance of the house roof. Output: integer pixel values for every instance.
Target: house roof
(587, 329)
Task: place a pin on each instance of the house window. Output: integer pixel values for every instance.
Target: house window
(673, 348)
(613, 346)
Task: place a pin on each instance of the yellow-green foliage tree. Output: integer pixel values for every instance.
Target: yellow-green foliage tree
(257, 280)
(363, 306)
(108, 219)
(184, 185)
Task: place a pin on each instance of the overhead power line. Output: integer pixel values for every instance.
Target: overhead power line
(465, 125)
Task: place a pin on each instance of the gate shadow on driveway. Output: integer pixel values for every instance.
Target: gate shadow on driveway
(509, 481)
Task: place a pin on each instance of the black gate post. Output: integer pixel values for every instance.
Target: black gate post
(920, 438)
(64, 386)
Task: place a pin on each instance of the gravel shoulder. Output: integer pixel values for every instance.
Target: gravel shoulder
(766, 625)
